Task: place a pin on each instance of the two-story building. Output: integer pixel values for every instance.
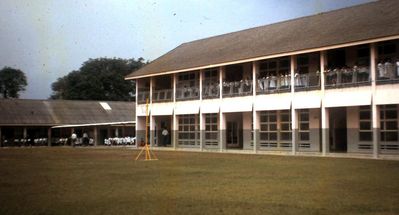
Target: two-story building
(319, 84)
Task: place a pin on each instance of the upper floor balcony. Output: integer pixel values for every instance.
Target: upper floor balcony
(343, 67)
(162, 89)
(187, 86)
(237, 80)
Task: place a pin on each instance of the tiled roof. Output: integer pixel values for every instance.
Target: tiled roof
(63, 112)
(358, 23)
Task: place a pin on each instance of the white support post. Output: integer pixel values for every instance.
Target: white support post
(95, 134)
(201, 120)
(324, 110)
(136, 118)
(294, 117)
(255, 70)
(374, 108)
(174, 117)
(221, 118)
(152, 126)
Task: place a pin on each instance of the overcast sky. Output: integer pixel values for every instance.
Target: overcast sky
(49, 39)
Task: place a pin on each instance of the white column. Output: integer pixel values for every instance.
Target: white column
(255, 70)
(221, 118)
(324, 110)
(375, 112)
(201, 120)
(152, 124)
(174, 117)
(95, 134)
(137, 126)
(294, 117)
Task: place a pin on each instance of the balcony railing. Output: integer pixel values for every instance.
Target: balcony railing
(346, 77)
(310, 81)
(237, 88)
(142, 96)
(187, 93)
(274, 84)
(387, 73)
(162, 95)
(210, 91)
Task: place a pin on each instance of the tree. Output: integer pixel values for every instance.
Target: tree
(99, 79)
(12, 81)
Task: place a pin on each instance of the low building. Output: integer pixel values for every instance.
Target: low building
(52, 122)
(321, 84)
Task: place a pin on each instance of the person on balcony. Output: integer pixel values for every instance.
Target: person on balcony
(381, 70)
(389, 69)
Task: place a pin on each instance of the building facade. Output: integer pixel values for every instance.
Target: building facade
(320, 84)
(25, 122)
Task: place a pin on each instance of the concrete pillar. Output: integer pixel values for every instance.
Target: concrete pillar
(175, 130)
(255, 70)
(201, 120)
(151, 119)
(152, 131)
(174, 117)
(222, 131)
(221, 117)
(95, 134)
(324, 111)
(375, 112)
(324, 130)
(294, 115)
(49, 136)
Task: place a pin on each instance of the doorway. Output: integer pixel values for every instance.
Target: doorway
(338, 130)
(161, 123)
(234, 131)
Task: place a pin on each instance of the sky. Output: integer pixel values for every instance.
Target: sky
(48, 39)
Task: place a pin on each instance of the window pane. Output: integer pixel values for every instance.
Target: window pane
(391, 114)
(391, 136)
(365, 136)
(365, 125)
(273, 136)
(304, 126)
(391, 125)
(364, 115)
(273, 127)
(304, 136)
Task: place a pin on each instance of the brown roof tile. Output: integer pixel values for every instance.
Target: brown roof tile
(357, 23)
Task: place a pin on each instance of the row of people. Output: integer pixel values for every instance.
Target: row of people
(386, 69)
(120, 141)
(237, 87)
(26, 142)
(346, 75)
(187, 92)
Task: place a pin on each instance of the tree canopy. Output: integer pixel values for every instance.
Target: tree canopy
(12, 81)
(99, 79)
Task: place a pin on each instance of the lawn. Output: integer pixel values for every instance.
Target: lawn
(109, 181)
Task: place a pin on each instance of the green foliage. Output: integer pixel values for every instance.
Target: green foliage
(12, 81)
(99, 79)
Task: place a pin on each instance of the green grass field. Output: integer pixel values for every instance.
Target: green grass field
(109, 181)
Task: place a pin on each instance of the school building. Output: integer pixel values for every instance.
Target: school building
(26, 122)
(320, 84)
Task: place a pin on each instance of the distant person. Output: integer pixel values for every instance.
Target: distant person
(165, 136)
(73, 139)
